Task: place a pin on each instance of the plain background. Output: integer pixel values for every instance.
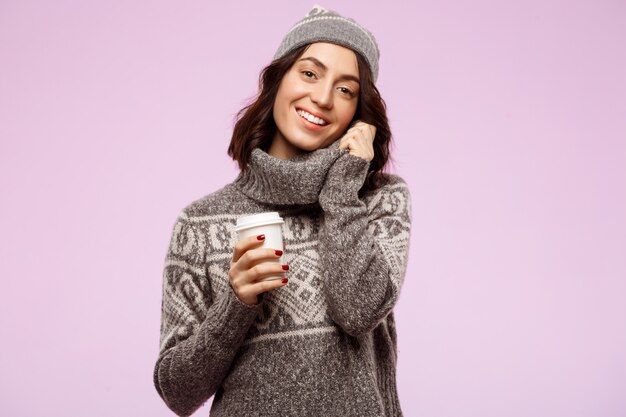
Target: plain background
(510, 127)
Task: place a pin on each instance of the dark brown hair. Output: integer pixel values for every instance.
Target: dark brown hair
(255, 126)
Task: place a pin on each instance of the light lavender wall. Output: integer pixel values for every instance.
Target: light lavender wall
(510, 127)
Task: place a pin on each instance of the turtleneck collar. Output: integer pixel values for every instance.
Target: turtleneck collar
(297, 180)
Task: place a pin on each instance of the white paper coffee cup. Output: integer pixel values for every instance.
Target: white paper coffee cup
(268, 224)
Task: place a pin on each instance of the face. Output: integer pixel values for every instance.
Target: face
(316, 100)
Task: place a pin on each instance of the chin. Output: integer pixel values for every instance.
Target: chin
(310, 148)
(308, 145)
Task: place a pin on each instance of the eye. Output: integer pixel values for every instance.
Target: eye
(346, 91)
(308, 74)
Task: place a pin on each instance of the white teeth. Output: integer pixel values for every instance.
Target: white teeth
(311, 118)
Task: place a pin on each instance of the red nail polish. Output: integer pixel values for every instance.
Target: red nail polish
(260, 237)
(285, 267)
(279, 252)
(285, 280)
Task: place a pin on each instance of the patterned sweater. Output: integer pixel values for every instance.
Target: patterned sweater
(322, 345)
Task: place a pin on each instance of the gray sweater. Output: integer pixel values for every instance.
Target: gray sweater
(324, 344)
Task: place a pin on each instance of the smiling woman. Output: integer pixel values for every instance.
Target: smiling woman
(257, 123)
(316, 100)
(320, 339)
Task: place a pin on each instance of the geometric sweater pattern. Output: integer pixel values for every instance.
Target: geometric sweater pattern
(322, 345)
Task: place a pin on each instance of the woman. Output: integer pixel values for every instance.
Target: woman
(321, 341)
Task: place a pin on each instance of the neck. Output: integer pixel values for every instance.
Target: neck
(282, 149)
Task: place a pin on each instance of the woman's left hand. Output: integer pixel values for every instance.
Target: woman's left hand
(359, 140)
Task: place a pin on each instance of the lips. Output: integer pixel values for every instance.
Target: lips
(312, 117)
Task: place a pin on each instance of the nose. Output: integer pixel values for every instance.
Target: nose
(322, 95)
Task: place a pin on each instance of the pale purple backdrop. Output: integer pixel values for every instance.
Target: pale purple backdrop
(510, 127)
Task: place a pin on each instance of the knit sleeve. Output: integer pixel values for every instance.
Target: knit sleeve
(199, 335)
(363, 247)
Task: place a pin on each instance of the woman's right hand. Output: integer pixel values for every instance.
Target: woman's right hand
(248, 268)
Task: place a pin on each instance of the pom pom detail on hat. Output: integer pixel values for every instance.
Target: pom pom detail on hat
(323, 25)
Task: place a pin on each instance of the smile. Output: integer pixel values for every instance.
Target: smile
(311, 118)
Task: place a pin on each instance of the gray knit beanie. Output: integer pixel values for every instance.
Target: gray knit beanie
(321, 25)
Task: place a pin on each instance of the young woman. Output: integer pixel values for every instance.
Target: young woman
(321, 341)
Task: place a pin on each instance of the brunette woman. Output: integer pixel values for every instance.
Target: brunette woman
(320, 341)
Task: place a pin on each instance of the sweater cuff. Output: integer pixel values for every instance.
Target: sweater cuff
(345, 178)
(234, 314)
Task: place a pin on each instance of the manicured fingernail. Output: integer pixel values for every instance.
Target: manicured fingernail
(260, 237)
(285, 267)
(285, 280)
(279, 252)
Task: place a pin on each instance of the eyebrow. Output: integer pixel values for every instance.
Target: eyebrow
(325, 68)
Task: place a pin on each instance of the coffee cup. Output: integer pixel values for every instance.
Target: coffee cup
(268, 224)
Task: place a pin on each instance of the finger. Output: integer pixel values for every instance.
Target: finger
(343, 142)
(253, 257)
(246, 244)
(360, 148)
(355, 143)
(350, 133)
(264, 286)
(265, 270)
(349, 145)
(358, 139)
(243, 279)
(366, 128)
(357, 132)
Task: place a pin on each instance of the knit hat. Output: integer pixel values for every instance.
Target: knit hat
(321, 25)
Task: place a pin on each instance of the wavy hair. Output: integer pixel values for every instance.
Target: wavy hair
(255, 125)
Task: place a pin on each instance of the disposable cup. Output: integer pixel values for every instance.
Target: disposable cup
(268, 224)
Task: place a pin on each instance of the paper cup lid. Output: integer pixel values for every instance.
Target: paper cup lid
(261, 219)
